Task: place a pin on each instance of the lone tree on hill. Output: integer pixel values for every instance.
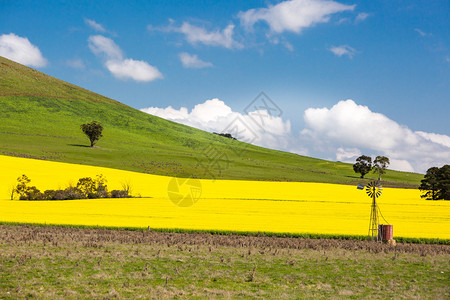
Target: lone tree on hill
(363, 165)
(380, 165)
(436, 183)
(93, 130)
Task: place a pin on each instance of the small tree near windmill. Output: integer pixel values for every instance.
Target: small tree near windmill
(363, 165)
(93, 131)
(380, 165)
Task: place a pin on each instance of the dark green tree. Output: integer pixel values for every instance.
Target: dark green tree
(380, 165)
(436, 183)
(93, 130)
(444, 183)
(363, 165)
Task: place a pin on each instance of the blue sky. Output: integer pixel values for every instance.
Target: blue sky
(208, 60)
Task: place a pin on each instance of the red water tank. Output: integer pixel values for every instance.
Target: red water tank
(388, 232)
(385, 232)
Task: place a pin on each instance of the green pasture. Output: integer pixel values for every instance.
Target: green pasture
(40, 117)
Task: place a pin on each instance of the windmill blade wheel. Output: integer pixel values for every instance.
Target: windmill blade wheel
(374, 188)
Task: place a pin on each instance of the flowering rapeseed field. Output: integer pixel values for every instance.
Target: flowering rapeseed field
(165, 202)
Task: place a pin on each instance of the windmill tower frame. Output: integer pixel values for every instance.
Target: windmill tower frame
(373, 190)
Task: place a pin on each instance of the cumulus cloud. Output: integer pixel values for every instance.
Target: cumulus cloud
(435, 138)
(21, 50)
(343, 50)
(192, 61)
(345, 131)
(94, 25)
(118, 65)
(401, 165)
(215, 116)
(347, 154)
(293, 15)
(356, 126)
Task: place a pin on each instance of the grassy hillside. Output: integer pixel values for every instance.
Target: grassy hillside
(40, 117)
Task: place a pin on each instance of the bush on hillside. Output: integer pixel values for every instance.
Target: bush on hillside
(227, 135)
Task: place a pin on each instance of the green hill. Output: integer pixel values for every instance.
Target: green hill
(40, 117)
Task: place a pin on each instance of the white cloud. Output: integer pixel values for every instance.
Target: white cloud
(215, 116)
(135, 69)
(19, 49)
(435, 138)
(195, 34)
(347, 154)
(344, 131)
(76, 63)
(120, 67)
(354, 126)
(200, 35)
(101, 45)
(361, 17)
(192, 61)
(401, 165)
(343, 50)
(94, 25)
(293, 15)
(168, 113)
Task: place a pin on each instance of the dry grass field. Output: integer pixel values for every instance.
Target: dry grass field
(57, 262)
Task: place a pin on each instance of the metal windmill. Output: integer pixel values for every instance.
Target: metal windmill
(373, 190)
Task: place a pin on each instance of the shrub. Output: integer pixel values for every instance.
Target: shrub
(50, 195)
(72, 193)
(119, 194)
(32, 193)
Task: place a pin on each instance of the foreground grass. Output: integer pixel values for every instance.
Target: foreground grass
(58, 262)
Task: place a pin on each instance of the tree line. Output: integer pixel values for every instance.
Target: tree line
(86, 188)
(435, 185)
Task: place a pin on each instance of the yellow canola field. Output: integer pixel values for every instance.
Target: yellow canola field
(291, 207)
